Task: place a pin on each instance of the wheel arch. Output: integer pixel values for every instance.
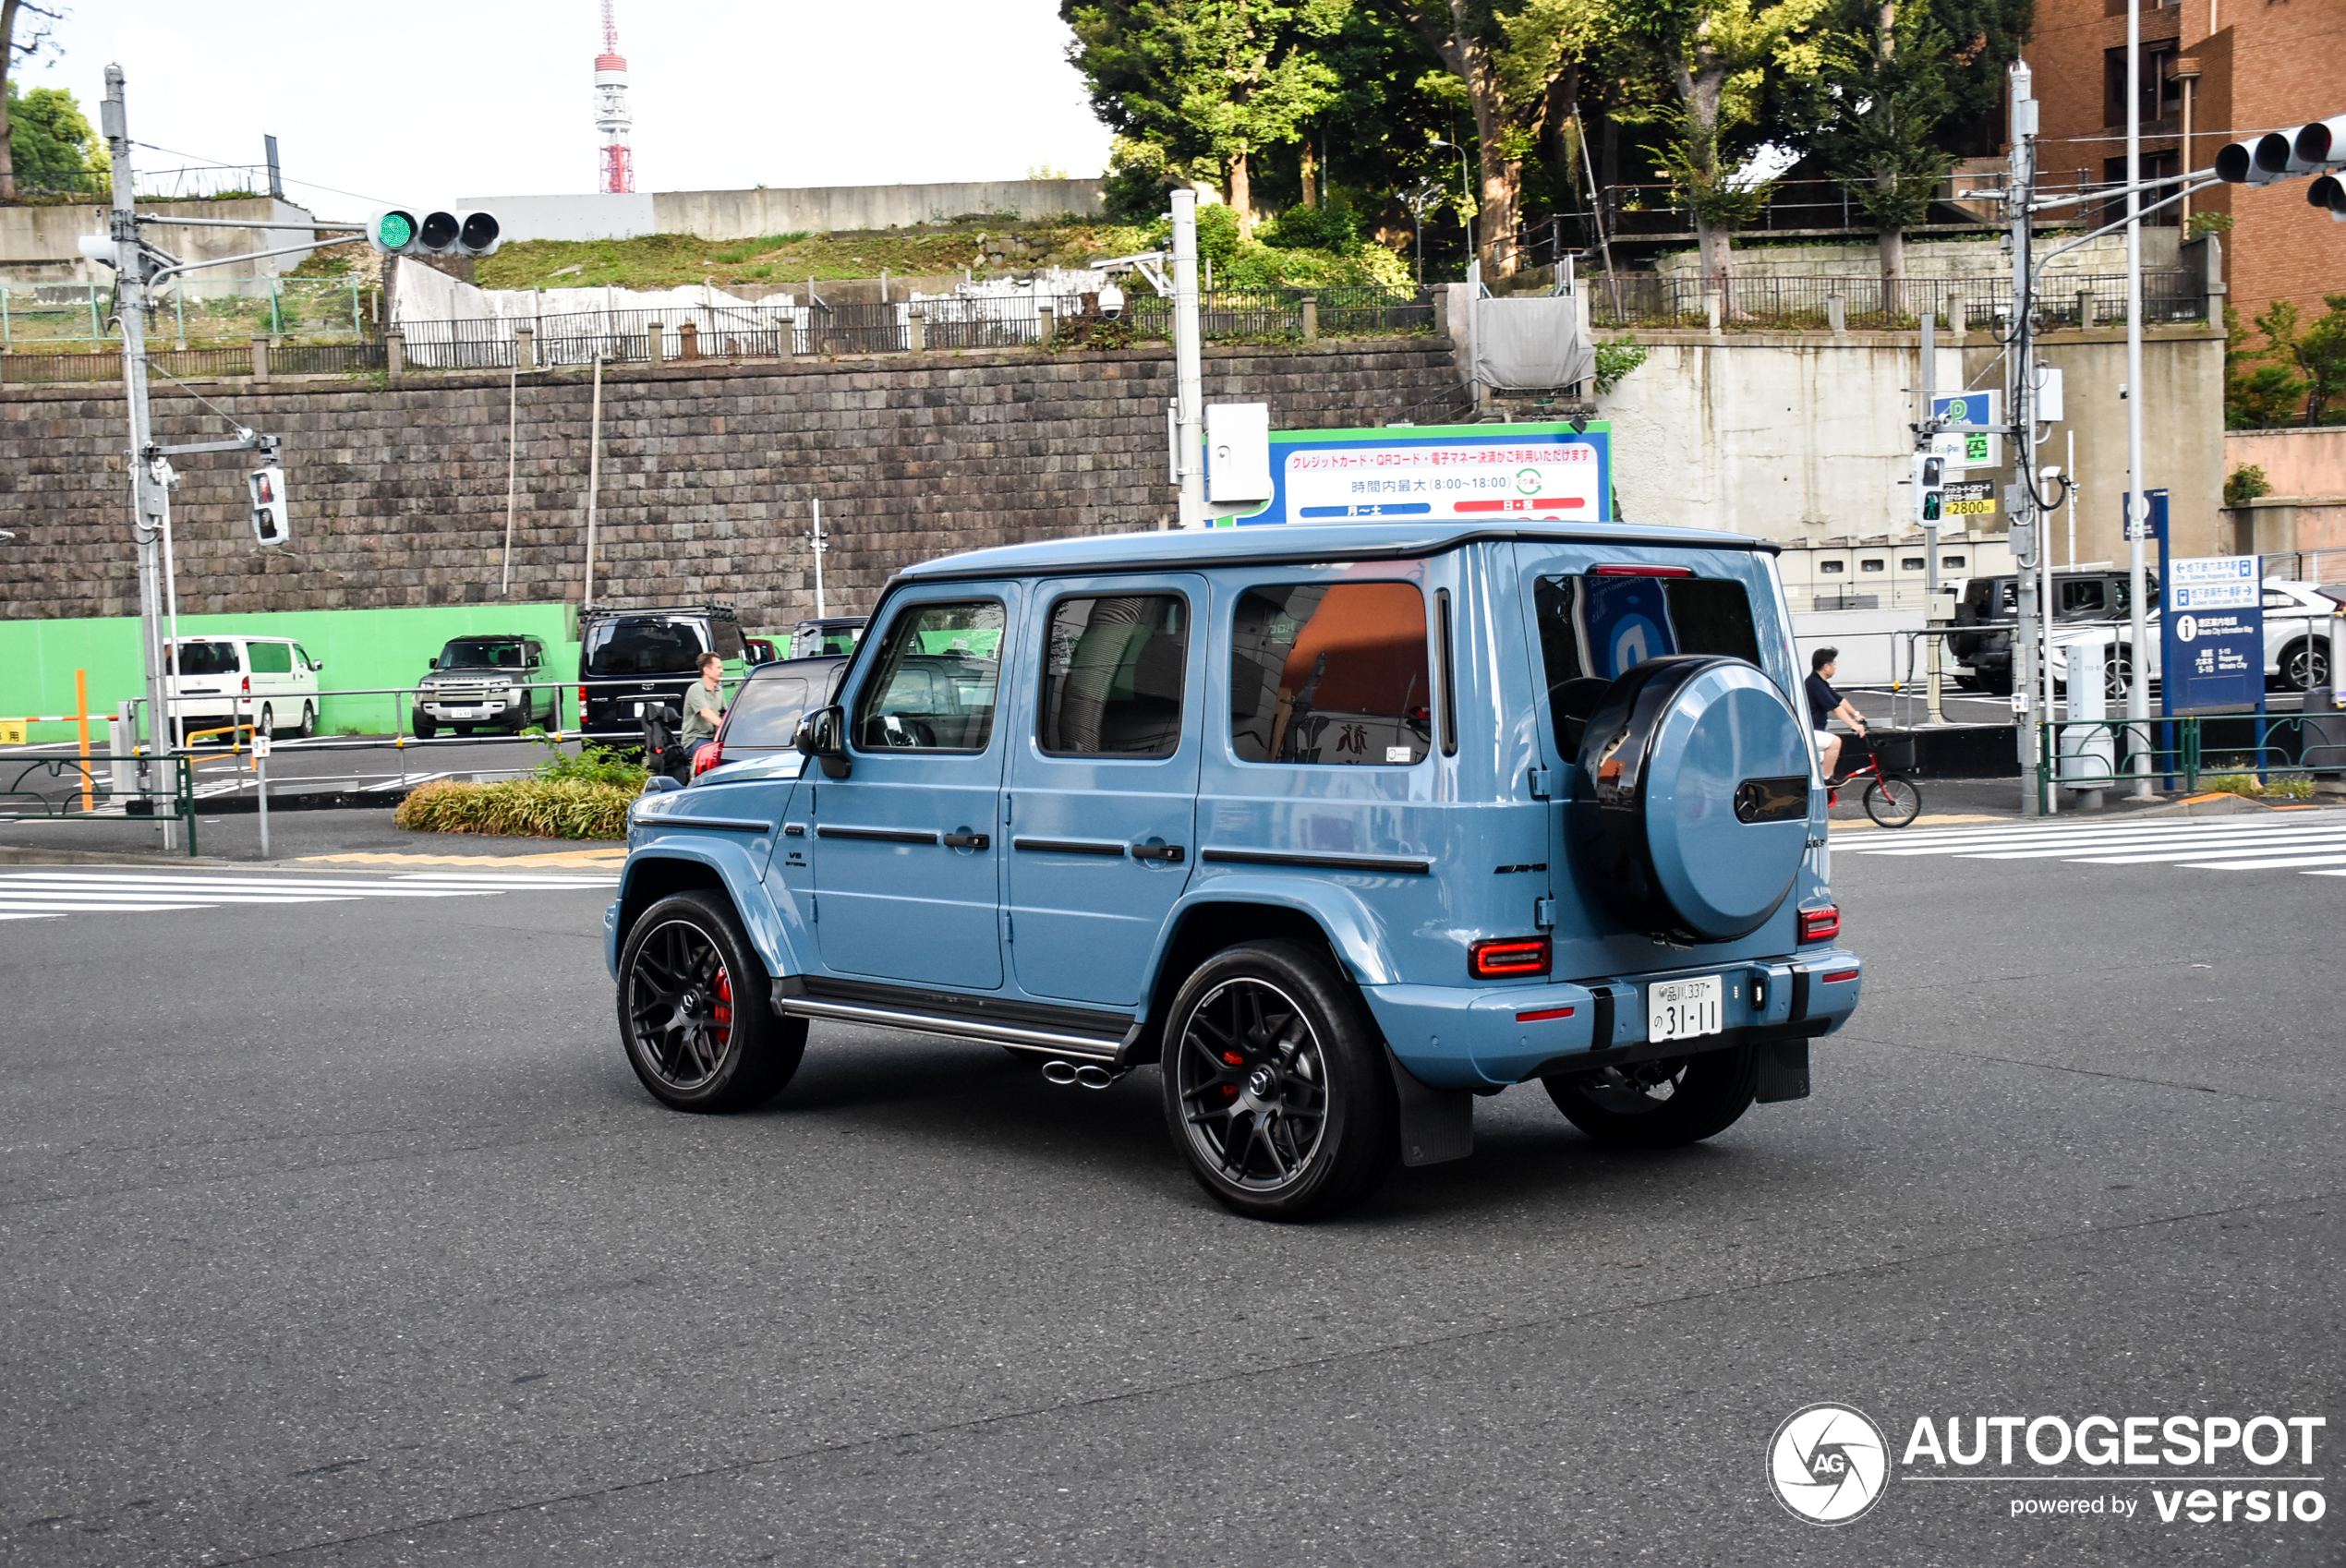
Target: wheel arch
(688, 867)
(1206, 922)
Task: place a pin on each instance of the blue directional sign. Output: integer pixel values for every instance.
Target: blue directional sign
(2211, 632)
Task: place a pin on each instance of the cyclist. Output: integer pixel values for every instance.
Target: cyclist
(1824, 703)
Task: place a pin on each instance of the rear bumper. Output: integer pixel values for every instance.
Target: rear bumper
(1461, 1037)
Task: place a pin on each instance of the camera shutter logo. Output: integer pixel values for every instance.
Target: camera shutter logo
(1828, 1463)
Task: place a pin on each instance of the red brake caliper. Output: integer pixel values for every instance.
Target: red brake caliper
(1231, 1058)
(722, 1014)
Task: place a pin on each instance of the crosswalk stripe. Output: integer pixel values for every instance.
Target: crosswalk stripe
(2168, 850)
(42, 895)
(2312, 843)
(2053, 829)
(2054, 838)
(18, 906)
(2218, 849)
(2286, 863)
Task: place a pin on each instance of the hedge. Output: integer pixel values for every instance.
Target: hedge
(521, 808)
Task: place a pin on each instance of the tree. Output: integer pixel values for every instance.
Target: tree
(50, 145)
(1715, 55)
(1470, 38)
(37, 20)
(1210, 83)
(2258, 393)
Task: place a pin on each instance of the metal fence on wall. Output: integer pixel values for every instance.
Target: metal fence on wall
(1792, 302)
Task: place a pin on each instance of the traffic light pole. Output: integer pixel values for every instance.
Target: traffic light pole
(2137, 503)
(2020, 377)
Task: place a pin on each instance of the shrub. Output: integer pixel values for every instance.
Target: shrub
(1314, 228)
(2244, 484)
(593, 764)
(2246, 784)
(521, 808)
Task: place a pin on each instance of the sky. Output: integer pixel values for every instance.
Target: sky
(430, 100)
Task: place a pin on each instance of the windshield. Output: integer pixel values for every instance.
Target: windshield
(765, 712)
(643, 647)
(482, 652)
(207, 658)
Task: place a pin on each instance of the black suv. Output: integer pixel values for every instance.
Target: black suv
(630, 658)
(2100, 594)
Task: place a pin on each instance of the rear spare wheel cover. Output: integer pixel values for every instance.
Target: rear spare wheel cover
(1693, 809)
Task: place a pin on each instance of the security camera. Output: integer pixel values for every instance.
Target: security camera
(1111, 301)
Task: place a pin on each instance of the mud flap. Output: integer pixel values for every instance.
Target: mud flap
(1436, 1124)
(1782, 1070)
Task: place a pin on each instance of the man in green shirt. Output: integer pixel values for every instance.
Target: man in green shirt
(704, 706)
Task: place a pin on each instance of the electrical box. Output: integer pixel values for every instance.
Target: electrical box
(2048, 410)
(1238, 451)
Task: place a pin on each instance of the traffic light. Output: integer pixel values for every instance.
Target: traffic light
(270, 524)
(2330, 193)
(413, 231)
(1934, 488)
(2309, 149)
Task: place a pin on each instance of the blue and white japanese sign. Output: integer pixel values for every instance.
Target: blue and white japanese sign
(1445, 473)
(2211, 632)
(1968, 449)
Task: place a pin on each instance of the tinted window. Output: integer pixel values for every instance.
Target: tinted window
(765, 711)
(2081, 599)
(1325, 672)
(482, 652)
(727, 639)
(932, 688)
(1112, 676)
(1593, 628)
(208, 658)
(271, 658)
(641, 647)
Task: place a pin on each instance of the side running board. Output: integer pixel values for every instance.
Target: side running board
(1094, 1034)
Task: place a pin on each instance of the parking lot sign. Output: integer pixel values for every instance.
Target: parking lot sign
(1968, 449)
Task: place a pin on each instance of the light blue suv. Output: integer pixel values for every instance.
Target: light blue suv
(1339, 826)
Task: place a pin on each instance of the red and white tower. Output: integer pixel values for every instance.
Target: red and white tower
(612, 118)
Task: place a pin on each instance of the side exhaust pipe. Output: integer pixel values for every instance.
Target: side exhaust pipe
(1091, 1075)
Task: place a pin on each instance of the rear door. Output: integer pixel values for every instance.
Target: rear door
(907, 848)
(1102, 799)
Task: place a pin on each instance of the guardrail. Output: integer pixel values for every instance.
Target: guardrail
(2109, 754)
(107, 777)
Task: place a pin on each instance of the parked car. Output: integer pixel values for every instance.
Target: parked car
(488, 682)
(760, 650)
(762, 721)
(832, 634)
(271, 683)
(2300, 621)
(1984, 658)
(1337, 826)
(629, 657)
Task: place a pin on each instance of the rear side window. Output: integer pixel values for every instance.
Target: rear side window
(208, 658)
(765, 711)
(1331, 673)
(643, 647)
(1594, 627)
(271, 658)
(1112, 676)
(727, 636)
(932, 689)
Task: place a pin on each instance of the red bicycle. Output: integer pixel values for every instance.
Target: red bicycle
(1891, 799)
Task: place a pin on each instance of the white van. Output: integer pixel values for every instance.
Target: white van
(268, 683)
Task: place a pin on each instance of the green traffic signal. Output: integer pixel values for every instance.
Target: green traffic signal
(394, 231)
(1930, 506)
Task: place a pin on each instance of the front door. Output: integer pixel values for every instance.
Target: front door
(907, 848)
(1103, 791)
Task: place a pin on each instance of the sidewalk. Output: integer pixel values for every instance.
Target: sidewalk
(314, 838)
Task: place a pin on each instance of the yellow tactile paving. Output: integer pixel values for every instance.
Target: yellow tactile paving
(614, 855)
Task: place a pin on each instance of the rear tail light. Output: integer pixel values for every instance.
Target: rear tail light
(711, 755)
(1819, 925)
(582, 707)
(1510, 957)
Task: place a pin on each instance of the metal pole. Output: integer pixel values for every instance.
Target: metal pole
(2137, 504)
(146, 487)
(1189, 367)
(2072, 500)
(177, 723)
(819, 548)
(1930, 387)
(2026, 532)
(594, 478)
(260, 764)
(513, 460)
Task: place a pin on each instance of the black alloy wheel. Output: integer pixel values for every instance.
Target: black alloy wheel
(693, 1010)
(2118, 675)
(1275, 1084)
(1893, 803)
(1659, 1105)
(2304, 666)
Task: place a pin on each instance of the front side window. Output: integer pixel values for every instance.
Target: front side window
(765, 712)
(932, 689)
(272, 659)
(1112, 676)
(1594, 628)
(1331, 673)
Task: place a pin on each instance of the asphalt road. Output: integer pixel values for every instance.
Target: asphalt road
(340, 1233)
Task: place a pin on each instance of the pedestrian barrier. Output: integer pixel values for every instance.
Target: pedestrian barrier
(2108, 754)
(105, 787)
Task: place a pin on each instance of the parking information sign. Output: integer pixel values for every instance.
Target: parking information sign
(1445, 472)
(1971, 498)
(2211, 632)
(1965, 449)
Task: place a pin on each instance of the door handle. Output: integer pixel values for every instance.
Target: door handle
(967, 840)
(1170, 853)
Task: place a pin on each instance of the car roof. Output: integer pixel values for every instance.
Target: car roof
(1293, 542)
(794, 665)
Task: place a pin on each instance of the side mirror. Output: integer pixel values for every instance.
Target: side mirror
(432, 663)
(316, 665)
(822, 734)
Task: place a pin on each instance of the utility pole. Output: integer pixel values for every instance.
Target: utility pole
(2027, 531)
(147, 498)
(2137, 504)
(1189, 416)
(818, 544)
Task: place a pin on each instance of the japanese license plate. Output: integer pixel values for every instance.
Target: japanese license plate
(1681, 1009)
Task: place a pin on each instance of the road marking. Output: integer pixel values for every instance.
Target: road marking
(2308, 845)
(35, 895)
(610, 855)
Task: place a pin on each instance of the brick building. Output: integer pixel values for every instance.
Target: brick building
(2216, 71)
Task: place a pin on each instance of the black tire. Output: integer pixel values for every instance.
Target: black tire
(694, 1013)
(1659, 1104)
(1305, 1121)
(1996, 682)
(265, 721)
(462, 728)
(1893, 803)
(309, 722)
(2118, 675)
(425, 728)
(2303, 666)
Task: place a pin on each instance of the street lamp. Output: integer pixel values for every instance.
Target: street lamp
(1466, 193)
(1421, 197)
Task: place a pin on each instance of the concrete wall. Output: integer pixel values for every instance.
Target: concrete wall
(751, 215)
(1803, 437)
(1932, 257)
(2296, 462)
(39, 245)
